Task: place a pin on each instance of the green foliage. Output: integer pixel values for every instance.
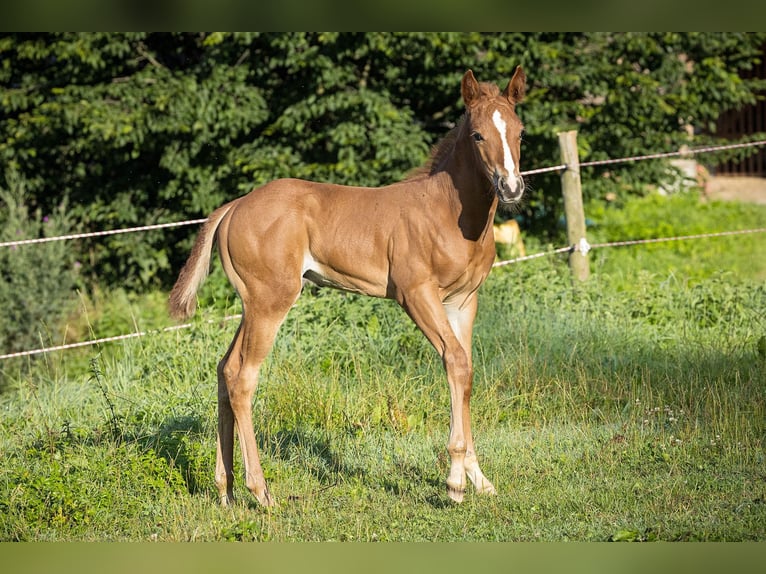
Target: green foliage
(117, 312)
(37, 282)
(53, 490)
(630, 94)
(137, 128)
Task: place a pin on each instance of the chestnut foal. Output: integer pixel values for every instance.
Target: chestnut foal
(426, 242)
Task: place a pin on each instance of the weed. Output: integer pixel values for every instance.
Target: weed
(97, 377)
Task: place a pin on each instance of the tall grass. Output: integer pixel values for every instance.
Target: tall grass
(632, 408)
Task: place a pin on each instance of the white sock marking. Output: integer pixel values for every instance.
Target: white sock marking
(500, 124)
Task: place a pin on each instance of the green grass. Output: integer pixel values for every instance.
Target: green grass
(632, 408)
(657, 216)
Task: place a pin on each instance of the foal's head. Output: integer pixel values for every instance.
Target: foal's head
(496, 130)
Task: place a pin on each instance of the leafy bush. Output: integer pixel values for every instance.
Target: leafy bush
(36, 281)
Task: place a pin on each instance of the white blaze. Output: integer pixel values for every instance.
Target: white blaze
(500, 124)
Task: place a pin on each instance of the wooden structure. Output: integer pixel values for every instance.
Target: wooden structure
(747, 120)
(571, 187)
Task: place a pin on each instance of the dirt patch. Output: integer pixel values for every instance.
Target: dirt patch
(748, 189)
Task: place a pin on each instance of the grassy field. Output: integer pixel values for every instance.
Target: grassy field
(632, 408)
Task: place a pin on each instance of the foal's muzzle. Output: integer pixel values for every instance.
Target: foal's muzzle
(508, 190)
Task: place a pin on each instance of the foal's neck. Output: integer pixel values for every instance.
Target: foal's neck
(470, 190)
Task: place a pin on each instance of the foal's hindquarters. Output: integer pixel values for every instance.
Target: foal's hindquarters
(267, 277)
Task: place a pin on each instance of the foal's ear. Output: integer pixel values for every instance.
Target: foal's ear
(516, 88)
(469, 88)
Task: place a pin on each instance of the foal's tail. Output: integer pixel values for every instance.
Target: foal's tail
(183, 298)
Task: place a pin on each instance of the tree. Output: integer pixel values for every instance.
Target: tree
(136, 128)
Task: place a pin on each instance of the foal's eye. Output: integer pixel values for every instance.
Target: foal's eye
(477, 137)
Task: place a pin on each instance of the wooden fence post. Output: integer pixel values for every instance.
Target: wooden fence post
(573, 208)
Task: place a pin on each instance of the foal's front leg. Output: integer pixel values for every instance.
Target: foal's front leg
(461, 319)
(425, 308)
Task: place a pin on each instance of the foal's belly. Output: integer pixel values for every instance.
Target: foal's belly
(356, 279)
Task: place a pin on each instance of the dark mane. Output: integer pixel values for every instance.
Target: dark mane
(438, 152)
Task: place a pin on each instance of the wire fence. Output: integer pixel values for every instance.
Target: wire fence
(101, 233)
(112, 339)
(582, 247)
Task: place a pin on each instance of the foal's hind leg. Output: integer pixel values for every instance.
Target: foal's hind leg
(224, 465)
(261, 320)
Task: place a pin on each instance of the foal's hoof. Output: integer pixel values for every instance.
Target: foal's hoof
(486, 488)
(265, 498)
(455, 494)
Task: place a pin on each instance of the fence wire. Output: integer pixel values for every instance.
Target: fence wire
(101, 233)
(108, 339)
(684, 153)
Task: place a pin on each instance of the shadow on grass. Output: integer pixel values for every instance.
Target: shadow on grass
(177, 441)
(313, 450)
